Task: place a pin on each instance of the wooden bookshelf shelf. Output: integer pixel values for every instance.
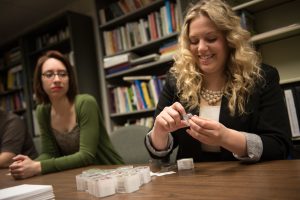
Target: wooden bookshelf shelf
(276, 34)
(141, 68)
(128, 114)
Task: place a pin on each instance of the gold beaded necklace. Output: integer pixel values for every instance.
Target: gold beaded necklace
(210, 96)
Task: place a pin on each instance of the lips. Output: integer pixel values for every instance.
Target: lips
(206, 59)
(57, 88)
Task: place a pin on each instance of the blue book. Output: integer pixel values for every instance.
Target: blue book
(139, 87)
(169, 15)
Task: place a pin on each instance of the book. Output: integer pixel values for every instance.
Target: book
(145, 59)
(119, 59)
(169, 16)
(296, 95)
(140, 95)
(290, 103)
(116, 69)
(132, 78)
(27, 191)
(247, 21)
(146, 95)
(102, 17)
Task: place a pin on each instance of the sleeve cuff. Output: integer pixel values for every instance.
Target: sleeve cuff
(254, 148)
(156, 152)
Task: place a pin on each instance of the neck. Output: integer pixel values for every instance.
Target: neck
(214, 82)
(61, 106)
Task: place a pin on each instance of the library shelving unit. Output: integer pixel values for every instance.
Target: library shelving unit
(276, 37)
(72, 34)
(13, 85)
(142, 38)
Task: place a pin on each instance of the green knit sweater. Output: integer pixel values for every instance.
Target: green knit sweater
(94, 148)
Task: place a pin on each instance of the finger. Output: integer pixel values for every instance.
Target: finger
(203, 123)
(179, 108)
(161, 121)
(19, 157)
(13, 166)
(171, 115)
(199, 129)
(197, 136)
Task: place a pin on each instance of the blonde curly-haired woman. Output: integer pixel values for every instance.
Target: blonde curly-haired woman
(236, 103)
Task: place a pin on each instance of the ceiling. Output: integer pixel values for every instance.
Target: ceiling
(17, 16)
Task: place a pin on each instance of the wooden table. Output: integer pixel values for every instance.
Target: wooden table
(215, 180)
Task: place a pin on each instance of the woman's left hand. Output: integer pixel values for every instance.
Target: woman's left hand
(207, 131)
(23, 167)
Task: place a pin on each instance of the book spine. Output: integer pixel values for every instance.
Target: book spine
(140, 93)
(290, 103)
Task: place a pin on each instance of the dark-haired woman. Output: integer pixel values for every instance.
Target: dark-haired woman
(72, 130)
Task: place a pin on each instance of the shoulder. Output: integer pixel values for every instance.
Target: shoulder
(42, 110)
(9, 119)
(85, 100)
(170, 80)
(269, 73)
(82, 98)
(270, 78)
(14, 118)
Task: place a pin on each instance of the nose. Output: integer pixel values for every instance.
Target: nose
(202, 46)
(56, 77)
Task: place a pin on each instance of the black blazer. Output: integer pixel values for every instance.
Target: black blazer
(266, 116)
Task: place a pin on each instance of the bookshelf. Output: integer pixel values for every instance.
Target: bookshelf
(275, 33)
(278, 40)
(13, 85)
(138, 22)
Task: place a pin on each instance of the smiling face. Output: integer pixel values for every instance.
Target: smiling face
(208, 45)
(57, 85)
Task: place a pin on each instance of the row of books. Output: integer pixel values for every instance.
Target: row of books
(168, 48)
(292, 99)
(11, 57)
(157, 24)
(13, 79)
(48, 39)
(120, 8)
(125, 61)
(13, 102)
(140, 95)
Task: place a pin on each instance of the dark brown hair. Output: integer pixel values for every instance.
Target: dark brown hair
(41, 95)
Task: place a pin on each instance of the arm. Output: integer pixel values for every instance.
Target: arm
(6, 159)
(23, 166)
(159, 141)
(273, 123)
(88, 117)
(12, 139)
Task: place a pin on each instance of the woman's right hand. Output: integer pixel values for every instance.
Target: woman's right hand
(168, 120)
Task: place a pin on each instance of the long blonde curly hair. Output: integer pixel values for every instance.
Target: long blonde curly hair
(243, 64)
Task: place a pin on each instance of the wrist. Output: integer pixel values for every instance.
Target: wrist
(158, 141)
(38, 167)
(235, 142)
